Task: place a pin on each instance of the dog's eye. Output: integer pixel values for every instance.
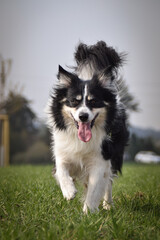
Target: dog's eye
(74, 101)
(92, 101)
(95, 103)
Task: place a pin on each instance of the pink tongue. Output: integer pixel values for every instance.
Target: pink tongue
(84, 131)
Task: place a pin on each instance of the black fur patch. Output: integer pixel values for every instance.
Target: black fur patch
(56, 107)
(113, 148)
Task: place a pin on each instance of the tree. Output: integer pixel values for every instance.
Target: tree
(20, 114)
(22, 122)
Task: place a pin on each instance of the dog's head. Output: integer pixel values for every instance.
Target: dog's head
(85, 104)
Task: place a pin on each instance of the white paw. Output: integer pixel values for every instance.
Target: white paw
(87, 208)
(68, 189)
(107, 206)
(69, 193)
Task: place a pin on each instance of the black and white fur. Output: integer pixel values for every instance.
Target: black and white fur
(88, 124)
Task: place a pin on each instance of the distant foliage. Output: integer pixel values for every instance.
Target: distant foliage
(21, 119)
(19, 111)
(28, 138)
(38, 153)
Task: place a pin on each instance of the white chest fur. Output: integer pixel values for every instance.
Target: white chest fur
(69, 148)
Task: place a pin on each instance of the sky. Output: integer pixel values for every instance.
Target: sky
(39, 35)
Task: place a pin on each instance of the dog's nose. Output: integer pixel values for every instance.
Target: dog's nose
(83, 117)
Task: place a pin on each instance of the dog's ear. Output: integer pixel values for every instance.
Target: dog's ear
(64, 76)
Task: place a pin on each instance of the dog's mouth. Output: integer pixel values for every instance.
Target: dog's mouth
(84, 129)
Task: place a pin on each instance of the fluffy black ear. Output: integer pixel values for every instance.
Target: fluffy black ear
(64, 76)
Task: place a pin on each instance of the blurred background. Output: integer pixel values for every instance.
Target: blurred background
(37, 35)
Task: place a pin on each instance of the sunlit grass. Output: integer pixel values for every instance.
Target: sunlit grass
(32, 206)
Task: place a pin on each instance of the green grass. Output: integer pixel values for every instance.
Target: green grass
(32, 206)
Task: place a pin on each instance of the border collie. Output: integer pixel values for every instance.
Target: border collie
(88, 124)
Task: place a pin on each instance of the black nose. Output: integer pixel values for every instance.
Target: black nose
(83, 117)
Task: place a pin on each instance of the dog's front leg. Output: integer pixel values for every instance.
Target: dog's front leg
(98, 178)
(66, 182)
(108, 202)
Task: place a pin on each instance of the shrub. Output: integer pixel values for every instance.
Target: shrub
(38, 153)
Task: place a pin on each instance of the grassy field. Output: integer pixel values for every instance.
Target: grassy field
(32, 207)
